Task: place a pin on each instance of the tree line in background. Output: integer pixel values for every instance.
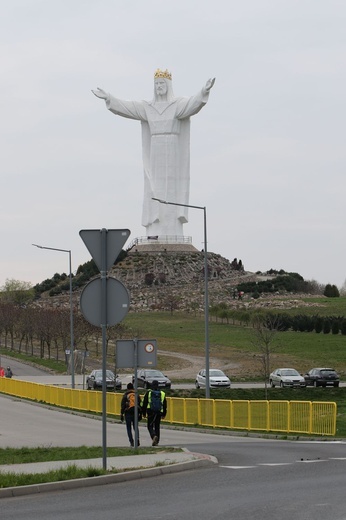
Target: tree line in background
(61, 282)
(286, 282)
(282, 321)
(45, 332)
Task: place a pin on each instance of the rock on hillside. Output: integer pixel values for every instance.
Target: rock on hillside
(175, 279)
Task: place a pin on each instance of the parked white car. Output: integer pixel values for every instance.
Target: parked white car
(217, 379)
(286, 377)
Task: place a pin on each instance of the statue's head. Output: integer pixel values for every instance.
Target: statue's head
(163, 89)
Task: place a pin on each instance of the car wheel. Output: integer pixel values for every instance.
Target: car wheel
(336, 385)
(197, 385)
(315, 384)
(271, 384)
(281, 384)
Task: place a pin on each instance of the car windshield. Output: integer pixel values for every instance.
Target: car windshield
(109, 374)
(216, 373)
(289, 372)
(154, 373)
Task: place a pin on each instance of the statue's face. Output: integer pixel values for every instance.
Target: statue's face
(160, 87)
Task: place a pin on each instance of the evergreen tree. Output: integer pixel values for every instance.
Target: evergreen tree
(326, 326)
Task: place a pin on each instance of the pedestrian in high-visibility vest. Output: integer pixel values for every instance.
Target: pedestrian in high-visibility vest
(154, 407)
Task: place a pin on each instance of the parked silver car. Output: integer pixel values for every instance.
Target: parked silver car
(286, 377)
(217, 379)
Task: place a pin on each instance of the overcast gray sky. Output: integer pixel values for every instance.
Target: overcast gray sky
(268, 151)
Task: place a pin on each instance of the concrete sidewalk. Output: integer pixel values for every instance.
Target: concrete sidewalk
(127, 468)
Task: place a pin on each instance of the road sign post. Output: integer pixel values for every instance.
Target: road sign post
(104, 302)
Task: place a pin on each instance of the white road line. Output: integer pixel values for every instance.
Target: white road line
(321, 442)
(238, 467)
(276, 464)
(283, 463)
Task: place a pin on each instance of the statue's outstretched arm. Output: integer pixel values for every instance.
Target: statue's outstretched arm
(209, 85)
(100, 93)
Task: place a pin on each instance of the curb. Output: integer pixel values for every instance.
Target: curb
(125, 476)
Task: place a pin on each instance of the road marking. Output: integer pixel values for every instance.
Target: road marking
(238, 467)
(328, 442)
(276, 464)
(283, 463)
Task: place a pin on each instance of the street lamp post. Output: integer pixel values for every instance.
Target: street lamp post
(206, 296)
(71, 307)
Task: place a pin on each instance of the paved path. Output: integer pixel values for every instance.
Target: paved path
(32, 425)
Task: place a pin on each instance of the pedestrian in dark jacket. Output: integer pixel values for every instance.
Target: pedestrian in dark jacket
(8, 372)
(128, 411)
(154, 412)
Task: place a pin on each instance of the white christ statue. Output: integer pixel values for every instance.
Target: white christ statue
(166, 150)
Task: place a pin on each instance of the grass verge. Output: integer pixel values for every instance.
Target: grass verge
(9, 456)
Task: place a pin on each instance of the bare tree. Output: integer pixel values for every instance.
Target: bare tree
(169, 301)
(342, 289)
(265, 329)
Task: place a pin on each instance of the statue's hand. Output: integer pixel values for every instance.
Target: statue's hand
(209, 84)
(100, 93)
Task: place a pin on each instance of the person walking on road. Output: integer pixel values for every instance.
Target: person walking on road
(128, 411)
(154, 406)
(8, 372)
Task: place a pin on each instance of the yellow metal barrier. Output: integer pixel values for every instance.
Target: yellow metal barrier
(318, 418)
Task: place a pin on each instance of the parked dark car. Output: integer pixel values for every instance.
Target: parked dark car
(322, 377)
(146, 377)
(94, 381)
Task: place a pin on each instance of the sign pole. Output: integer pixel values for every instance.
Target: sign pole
(99, 294)
(135, 344)
(104, 342)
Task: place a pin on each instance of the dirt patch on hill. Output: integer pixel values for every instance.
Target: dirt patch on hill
(244, 365)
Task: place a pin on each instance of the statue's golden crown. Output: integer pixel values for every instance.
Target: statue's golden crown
(162, 74)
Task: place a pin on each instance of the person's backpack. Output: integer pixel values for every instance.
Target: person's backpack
(155, 404)
(130, 400)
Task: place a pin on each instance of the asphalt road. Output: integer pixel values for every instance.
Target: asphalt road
(21, 369)
(255, 478)
(29, 373)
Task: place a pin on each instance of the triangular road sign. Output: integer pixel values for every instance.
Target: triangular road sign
(114, 241)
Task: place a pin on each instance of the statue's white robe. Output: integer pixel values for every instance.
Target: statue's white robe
(166, 157)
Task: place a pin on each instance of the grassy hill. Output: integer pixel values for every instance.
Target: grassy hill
(231, 343)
